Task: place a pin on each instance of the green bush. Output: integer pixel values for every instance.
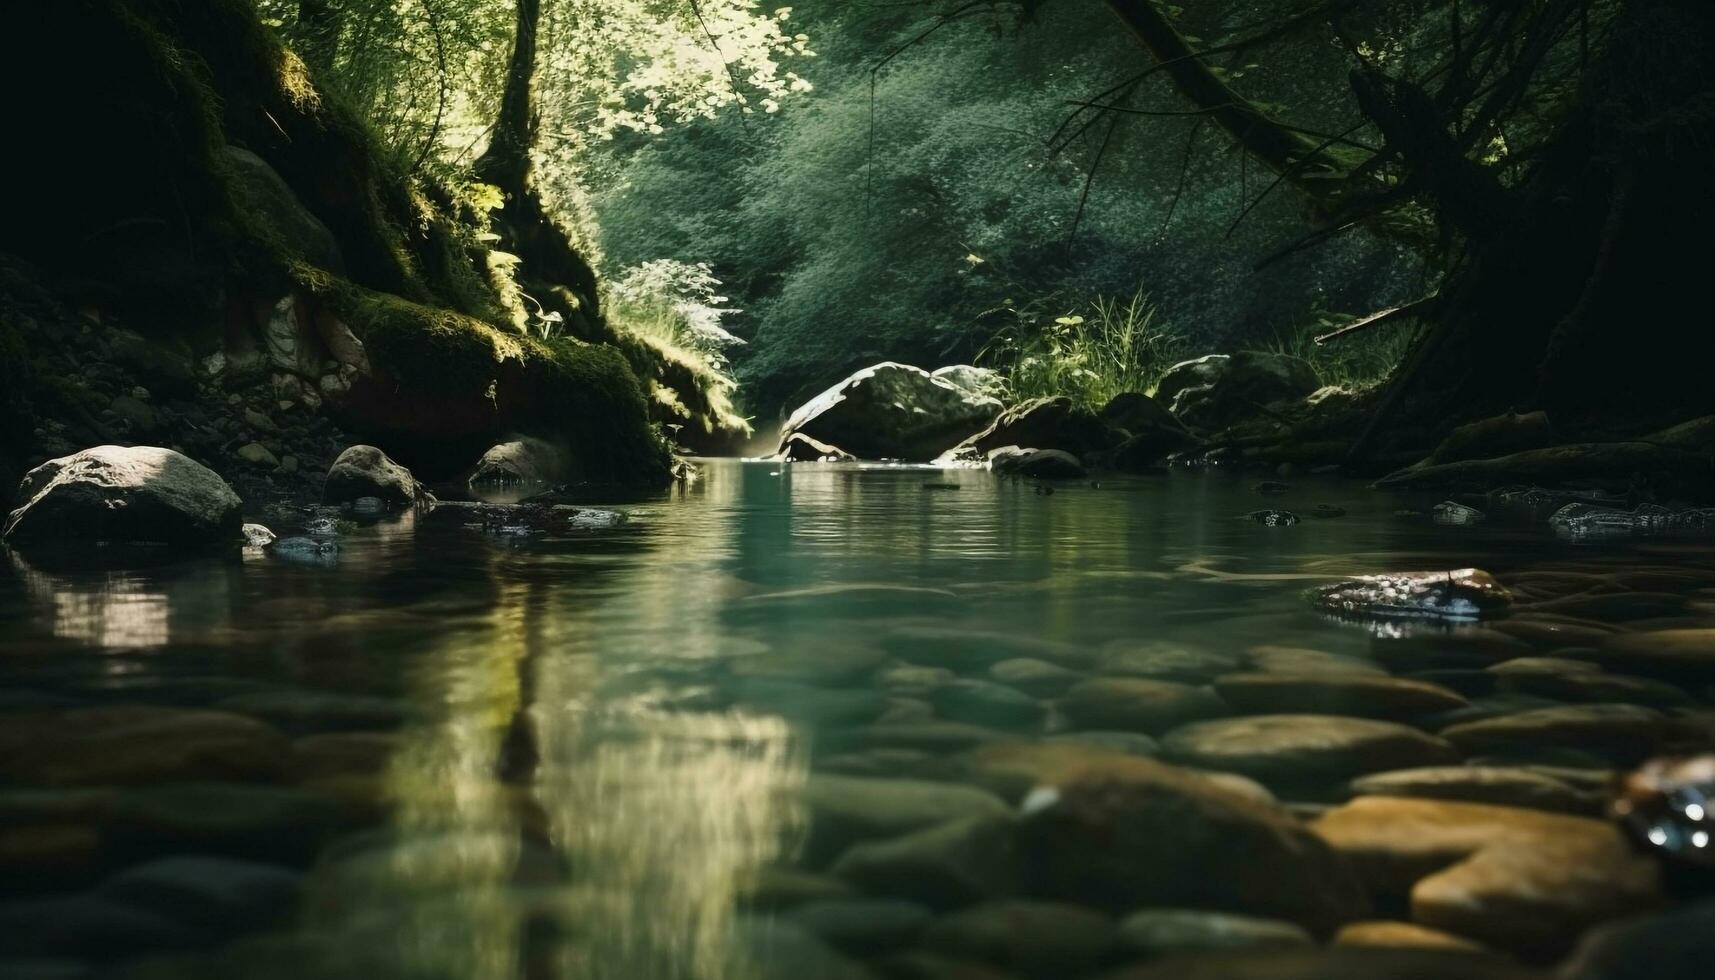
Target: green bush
(1117, 347)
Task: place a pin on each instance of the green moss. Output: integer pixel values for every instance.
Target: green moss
(582, 394)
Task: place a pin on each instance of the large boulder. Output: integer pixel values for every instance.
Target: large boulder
(1044, 423)
(1041, 464)
(259, 190)
(1121, 832)
(521, 460)
(892, 411)
(125, 495)
(1146, 432)
(1216, 390)
(364, 471)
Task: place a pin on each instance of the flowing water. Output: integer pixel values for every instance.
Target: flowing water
(482, 753)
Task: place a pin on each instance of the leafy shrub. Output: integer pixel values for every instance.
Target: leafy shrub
(1117, 347)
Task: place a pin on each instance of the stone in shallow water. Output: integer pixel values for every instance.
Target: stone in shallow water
(124, 495)
(1396, 935)
(941, 646)
(1036, 677)
(1118, 832)
(1271, 659)
(1624, 733)
(1520, 880)
(1461, 594)
(776, 950)
(946, 865)
(911, 681)
(919, 965)
(1155, 660)
(1675, 943)
(1131, 743)
(773, 888)
(844, 809)
(1576, 680)
(136, 744)
(87, 927)
(1041, 464)
(979, 702)
(861, 926)
(805, 704)
(1138, 705)
(262, 822)
(1362, 695)
(830, 664)
(1162, 932)
(1290, 749)
(1025, 936)
(1337, 963)
(1677, 653)
(1501, 785)
(218, 896)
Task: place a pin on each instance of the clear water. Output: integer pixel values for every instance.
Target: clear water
(570, 791)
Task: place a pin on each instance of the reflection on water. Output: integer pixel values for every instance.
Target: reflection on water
(571, 788)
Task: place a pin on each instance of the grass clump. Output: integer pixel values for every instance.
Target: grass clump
(1358, 360)
(1113, 346)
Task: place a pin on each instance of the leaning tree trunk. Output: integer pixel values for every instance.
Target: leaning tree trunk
(1593, 303)
(553, 271)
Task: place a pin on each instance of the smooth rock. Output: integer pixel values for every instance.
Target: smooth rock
(1673, 943)
(1516, 786)
(1164, 932)
(1039, 464)
(892, 411)
(126, 495)
(219, 896)
(1035, 677)
(1357, 694)
(979, 702)
(364, 471)
(847, 809)
(1401, 935)
(776, 950)
(1043, 423)
(804, 704)
(1673, 653)
(1624, 733)
(861, 926)
(827, 664)
(1138, 705)
(773, 888)
(1272, 659)
(1027, 937)
(256, 536)
(525, 459)
(1294, 748)
(972, 649)
(258, 455)
(1216, 390)
(136, 744)
(1520, 880)
(1117, 832)
(1335, 963)
(945, 866)
(1155, 660)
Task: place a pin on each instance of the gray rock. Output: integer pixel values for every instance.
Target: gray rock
(306, 551)
(130, 495)
(1623, 733)
(1043, 423)
(257, 454)
(979, 702)
(861, 926)
(221, 896)
(1032, 676)
(1153, 432)
(1040, 464)
(1134, 704)
(968, 377)
(845, 809)
(1288, 750)
(1361, 695)
(1028, 937)
(800, 448)
(775, 950)
(945, 866)
(259, 190)
(522, 460)
(1162, 932)
(1216, 390)
(256, 536)
(892, 411)
(142, 416)
(364, 471)
(1163, 661)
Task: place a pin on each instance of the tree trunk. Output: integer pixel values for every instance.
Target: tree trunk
(553, 272)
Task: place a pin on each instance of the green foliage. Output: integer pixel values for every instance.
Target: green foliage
(1117, 347)
(1358, 360)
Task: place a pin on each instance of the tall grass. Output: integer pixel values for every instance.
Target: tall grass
(1114, 346)
(1358, 360)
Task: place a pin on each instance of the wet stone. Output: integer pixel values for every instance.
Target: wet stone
(1514, 879)
(861, 926)
(1131, 743)
(963, 649)
(1035, 677)
(1361, 695)
(1138, 705)
(846, 809)
(1620, 732)
(1163, 932)
(912, 681)
(773, 888)
(1501, 785)
(830, 664)
(1094, 818)
(1687, 654)
(805, 704)
(1336, 963)
(986, 703)
(87, 927)
(136, 744)
(217, 896)
(1401, 935)
(1297, 661)
(1026, 937)
(259, 822)
(1291, 749)
(1165, 662)
(945, 866)
(1580, 681)
(775, 950)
